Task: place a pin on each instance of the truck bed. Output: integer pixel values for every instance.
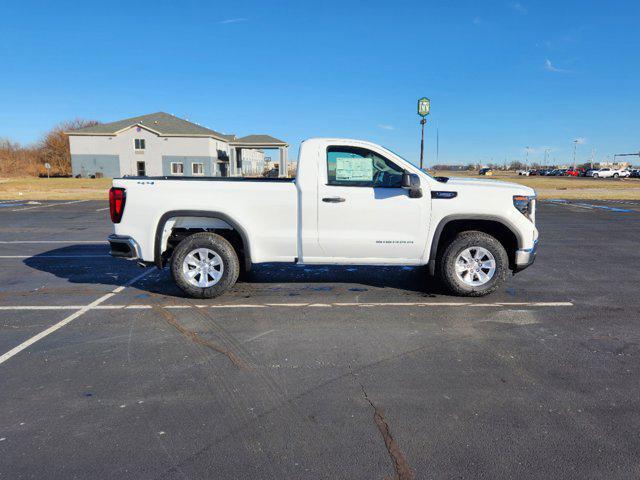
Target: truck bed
(266, 208)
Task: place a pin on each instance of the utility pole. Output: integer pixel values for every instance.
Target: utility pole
(526, 161)
(424, 107)
(437, 144)
(546, 155)
(575, 146)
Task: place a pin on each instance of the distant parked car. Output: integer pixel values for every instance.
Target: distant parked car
(572, 173)
(485, 171)
(523, 172)
(273, 173)
(606, 173)
(534, 172)
(635, 173)
(625, 173)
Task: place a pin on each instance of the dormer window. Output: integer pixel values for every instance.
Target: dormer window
(139, 144)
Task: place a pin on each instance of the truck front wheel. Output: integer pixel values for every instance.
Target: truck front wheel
(474, 264)
(205, 265)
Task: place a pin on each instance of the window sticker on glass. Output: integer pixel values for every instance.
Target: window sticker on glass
(355, 169)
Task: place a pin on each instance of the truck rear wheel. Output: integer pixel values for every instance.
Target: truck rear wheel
(474, 264)
(205, 265)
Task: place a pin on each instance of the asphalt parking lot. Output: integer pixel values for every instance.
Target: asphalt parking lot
(318, 372)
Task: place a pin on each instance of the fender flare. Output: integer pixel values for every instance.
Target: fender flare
(451, 218)
(157, 254)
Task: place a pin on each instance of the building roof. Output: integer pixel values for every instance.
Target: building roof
(259, 140)
(160, 122)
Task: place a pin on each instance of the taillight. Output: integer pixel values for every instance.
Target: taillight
(117, 198)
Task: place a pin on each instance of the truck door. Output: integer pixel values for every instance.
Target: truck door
(364, 215)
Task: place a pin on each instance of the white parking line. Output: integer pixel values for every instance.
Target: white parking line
(102, 209)
(53, 256)
(47, 205)
(285, 305)
(70, 318)
(4, 242)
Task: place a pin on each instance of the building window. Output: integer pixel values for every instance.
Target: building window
(177, 168)
(197, 168)
(139, 144)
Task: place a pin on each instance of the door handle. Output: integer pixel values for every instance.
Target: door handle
(333, 199)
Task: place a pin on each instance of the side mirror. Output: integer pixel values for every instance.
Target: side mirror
(411, 182)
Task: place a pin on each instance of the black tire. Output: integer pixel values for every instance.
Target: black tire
(446, 264)
(219, 245)
(615, 175)
(595, 175)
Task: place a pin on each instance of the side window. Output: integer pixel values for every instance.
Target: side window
(359, 167)
(139, 144)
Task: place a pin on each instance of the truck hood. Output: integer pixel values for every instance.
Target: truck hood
(464, 182)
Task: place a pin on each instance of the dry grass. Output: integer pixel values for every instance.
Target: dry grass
(30, 188)
(33, 188)
(569, 188)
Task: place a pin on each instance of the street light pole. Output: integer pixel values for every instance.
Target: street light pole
(526, 161)
(575, 146)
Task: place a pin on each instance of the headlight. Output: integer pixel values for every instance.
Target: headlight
(525, 205)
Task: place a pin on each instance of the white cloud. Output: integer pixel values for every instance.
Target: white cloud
(545, 44)
(231, 20)
(539, 150)
(518, 7)
(386, 127)
(550, 67)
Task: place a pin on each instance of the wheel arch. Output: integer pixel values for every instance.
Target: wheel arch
(498, 227)
(235, 226)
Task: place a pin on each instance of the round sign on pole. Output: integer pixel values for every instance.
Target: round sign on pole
(424, 106)
(47, 166)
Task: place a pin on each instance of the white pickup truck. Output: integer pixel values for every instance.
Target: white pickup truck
(610, 173)
(352, 203)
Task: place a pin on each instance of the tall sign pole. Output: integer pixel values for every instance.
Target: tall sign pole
(424, 107)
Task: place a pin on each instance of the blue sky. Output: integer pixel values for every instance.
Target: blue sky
(501, 75)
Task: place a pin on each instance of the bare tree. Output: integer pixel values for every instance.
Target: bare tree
(54, 147)
(17, 160)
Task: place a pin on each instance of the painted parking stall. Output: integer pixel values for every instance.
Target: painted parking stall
(309, 371)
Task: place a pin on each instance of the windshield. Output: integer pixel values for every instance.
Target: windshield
(408, 161)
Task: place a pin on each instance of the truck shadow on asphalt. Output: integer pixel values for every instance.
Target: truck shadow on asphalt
(91, 264)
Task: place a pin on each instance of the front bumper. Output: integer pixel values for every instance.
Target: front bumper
(124, 247)
(525, 257)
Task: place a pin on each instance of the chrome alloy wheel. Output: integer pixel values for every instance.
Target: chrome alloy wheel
(475, 266)
(202, 268)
